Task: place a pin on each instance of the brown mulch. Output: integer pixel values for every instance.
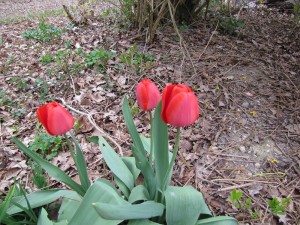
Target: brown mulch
(248, 87)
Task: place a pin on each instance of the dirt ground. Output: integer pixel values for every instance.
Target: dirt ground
(248, 86)
(12, 8)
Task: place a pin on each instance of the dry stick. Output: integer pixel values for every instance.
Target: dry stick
(92, 121)
(181, 41)
(209, 40)
(295, 186)
(236, 186)
(244, 180)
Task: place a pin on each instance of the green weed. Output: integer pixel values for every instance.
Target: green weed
(278, 207)
(46, 145)
(20, 83)
(135, 59)
(47, 58)
(44, 33)
(99, 59)
(231, 26)
(38, 176)
(235, 198)
(42, 89)
(296, 10)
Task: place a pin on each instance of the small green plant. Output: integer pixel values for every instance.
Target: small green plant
(42, 89)
(133, 107)
(19, 82)
(27, 216)
(278, 207)
(135, 59)
(231, 26)
(296, 10)
(44, 33)
(47, 58)
(235, 198)
(4, 99)
(18, 113)
(46, 145)
(99, 59)
(38, 176)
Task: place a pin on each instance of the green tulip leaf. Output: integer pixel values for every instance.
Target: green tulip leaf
(219, 220)
(160, 144)
(123, 188)
(139, 193)
(52, 170)
(184, 205)
(131, 165)
(4, 205)
(115, 163)
(40, 198)
(142, 222)
(127, 211)
(101, 191)
(68, 208)
(139, 152)
(81, 165)
(146, 143)
(43, 218)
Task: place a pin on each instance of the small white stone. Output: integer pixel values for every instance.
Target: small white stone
(257, 165)
(242, 149)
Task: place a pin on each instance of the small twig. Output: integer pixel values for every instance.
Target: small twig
(236, 186)
(181, 41)
(92, 121)
(242, 180)
(294, 188)
(209, 40)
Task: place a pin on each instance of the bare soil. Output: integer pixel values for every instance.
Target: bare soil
(13, 8)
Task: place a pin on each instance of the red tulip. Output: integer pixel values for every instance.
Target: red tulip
(56, 119)
(147, 94)
(179, 105)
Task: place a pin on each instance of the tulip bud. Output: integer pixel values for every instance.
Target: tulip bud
(179, 105)
(147, 94)
(55, 119)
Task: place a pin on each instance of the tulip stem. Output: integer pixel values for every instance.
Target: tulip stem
(175, 150)
(71, 149)
(151, 138)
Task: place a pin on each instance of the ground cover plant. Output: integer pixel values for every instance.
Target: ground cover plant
(246, 138)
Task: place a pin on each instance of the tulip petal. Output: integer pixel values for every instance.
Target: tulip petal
(166, 95)
(147, 94)
(142, 96)
(42, 115)
(183, 109)
(59, 121)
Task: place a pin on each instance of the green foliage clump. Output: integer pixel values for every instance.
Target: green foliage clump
(278, 207)
(44, 33)
(235, 198)
(19, 82)
(46, 145)
(47, 58)
(231, 26)
(98, 58)
(38, 176)
(135, 59)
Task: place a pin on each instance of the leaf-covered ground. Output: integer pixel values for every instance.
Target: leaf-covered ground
(247, 137)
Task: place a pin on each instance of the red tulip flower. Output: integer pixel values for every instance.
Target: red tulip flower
(147, 94)
(179, 105)
(56, 119)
